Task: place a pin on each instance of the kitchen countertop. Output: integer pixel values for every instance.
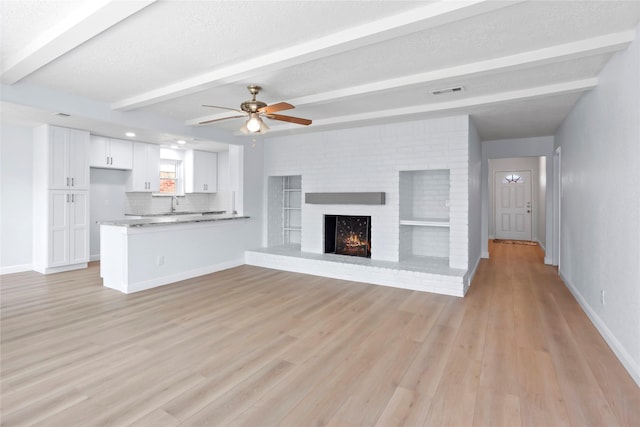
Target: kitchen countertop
(176, 213)
(160, 219)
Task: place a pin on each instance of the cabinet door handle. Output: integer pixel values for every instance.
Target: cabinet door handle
(107, 159)
(67, 181)
(72, 182)
(67, 198)
(73, 198)
(111, 160)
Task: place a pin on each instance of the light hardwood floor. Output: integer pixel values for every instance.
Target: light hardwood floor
(257, 347)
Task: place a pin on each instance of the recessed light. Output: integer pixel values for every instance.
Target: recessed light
(130, 134)
(181, 142)
(174, 147)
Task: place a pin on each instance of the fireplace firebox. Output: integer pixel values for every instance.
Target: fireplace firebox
(347, 235)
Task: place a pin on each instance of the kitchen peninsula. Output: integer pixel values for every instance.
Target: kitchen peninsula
(139, 254)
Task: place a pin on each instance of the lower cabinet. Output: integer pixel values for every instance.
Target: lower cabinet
(64, 238)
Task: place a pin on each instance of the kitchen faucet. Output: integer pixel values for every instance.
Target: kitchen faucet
(173, 207)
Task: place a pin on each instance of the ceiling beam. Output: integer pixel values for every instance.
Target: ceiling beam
(565, 52)
(461, 105)
(88, 21)
(421, 18)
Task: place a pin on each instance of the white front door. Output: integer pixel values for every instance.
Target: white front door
(513, 205)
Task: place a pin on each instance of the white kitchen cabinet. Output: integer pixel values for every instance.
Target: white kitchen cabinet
(110, 153)
(60, 199)
(67, 152)
(201, 172)
(145, 174)
(68, 238)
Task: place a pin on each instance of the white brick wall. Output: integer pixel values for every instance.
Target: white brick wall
(370, 159)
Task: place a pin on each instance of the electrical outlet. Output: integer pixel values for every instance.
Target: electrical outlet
(160, 259)
(602, 296)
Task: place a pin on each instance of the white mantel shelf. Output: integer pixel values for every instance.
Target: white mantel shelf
(425, 222)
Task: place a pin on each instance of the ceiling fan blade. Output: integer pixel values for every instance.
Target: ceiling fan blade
(296, 120)
(206, 122)
(224, 108)
(280, 106)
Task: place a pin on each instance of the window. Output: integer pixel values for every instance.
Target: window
(512, 179)
(170, 177)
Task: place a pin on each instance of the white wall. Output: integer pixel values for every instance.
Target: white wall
(541, 206)
(515, 164)
(369, 159)
(250, 186)
(520, 147)
(600, 226)
(16, 213)
(475, 199)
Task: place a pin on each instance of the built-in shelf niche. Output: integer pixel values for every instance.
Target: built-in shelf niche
(424, 214)
(284, 210)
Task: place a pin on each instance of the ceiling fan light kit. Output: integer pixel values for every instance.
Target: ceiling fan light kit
(255, 110)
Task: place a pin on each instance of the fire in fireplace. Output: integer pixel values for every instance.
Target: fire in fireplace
(347, 235)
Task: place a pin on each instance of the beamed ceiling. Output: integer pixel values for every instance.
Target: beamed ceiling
(149, 65)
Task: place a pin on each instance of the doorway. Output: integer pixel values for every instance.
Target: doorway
(513, 207)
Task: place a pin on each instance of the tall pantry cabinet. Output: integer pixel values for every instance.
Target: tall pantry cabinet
(60, 199)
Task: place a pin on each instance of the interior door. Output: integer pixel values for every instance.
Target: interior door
(513, 205)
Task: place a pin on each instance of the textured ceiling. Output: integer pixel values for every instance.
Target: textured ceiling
(150, 65)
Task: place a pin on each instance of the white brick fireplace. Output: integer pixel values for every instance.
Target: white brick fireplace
(422, 229)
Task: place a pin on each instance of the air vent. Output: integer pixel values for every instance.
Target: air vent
(62, 115)
(447, 90)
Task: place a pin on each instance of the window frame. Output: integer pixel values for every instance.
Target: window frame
(179, 178)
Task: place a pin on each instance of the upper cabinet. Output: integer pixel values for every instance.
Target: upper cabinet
(110, 153)
(145, 174)
(201, 172)
(66, 157)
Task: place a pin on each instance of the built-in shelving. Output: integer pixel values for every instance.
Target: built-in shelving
(284, 210)
(291, 209)
(424, 215)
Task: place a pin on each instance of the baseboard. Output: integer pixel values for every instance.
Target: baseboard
(470, 276)
(632, 367)
(485, 254)
(15, 269)
(542, 246)
(95, 257)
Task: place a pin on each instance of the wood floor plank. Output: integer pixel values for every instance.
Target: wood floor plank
(255, 346)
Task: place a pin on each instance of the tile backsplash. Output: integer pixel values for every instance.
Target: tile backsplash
(145, 203)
